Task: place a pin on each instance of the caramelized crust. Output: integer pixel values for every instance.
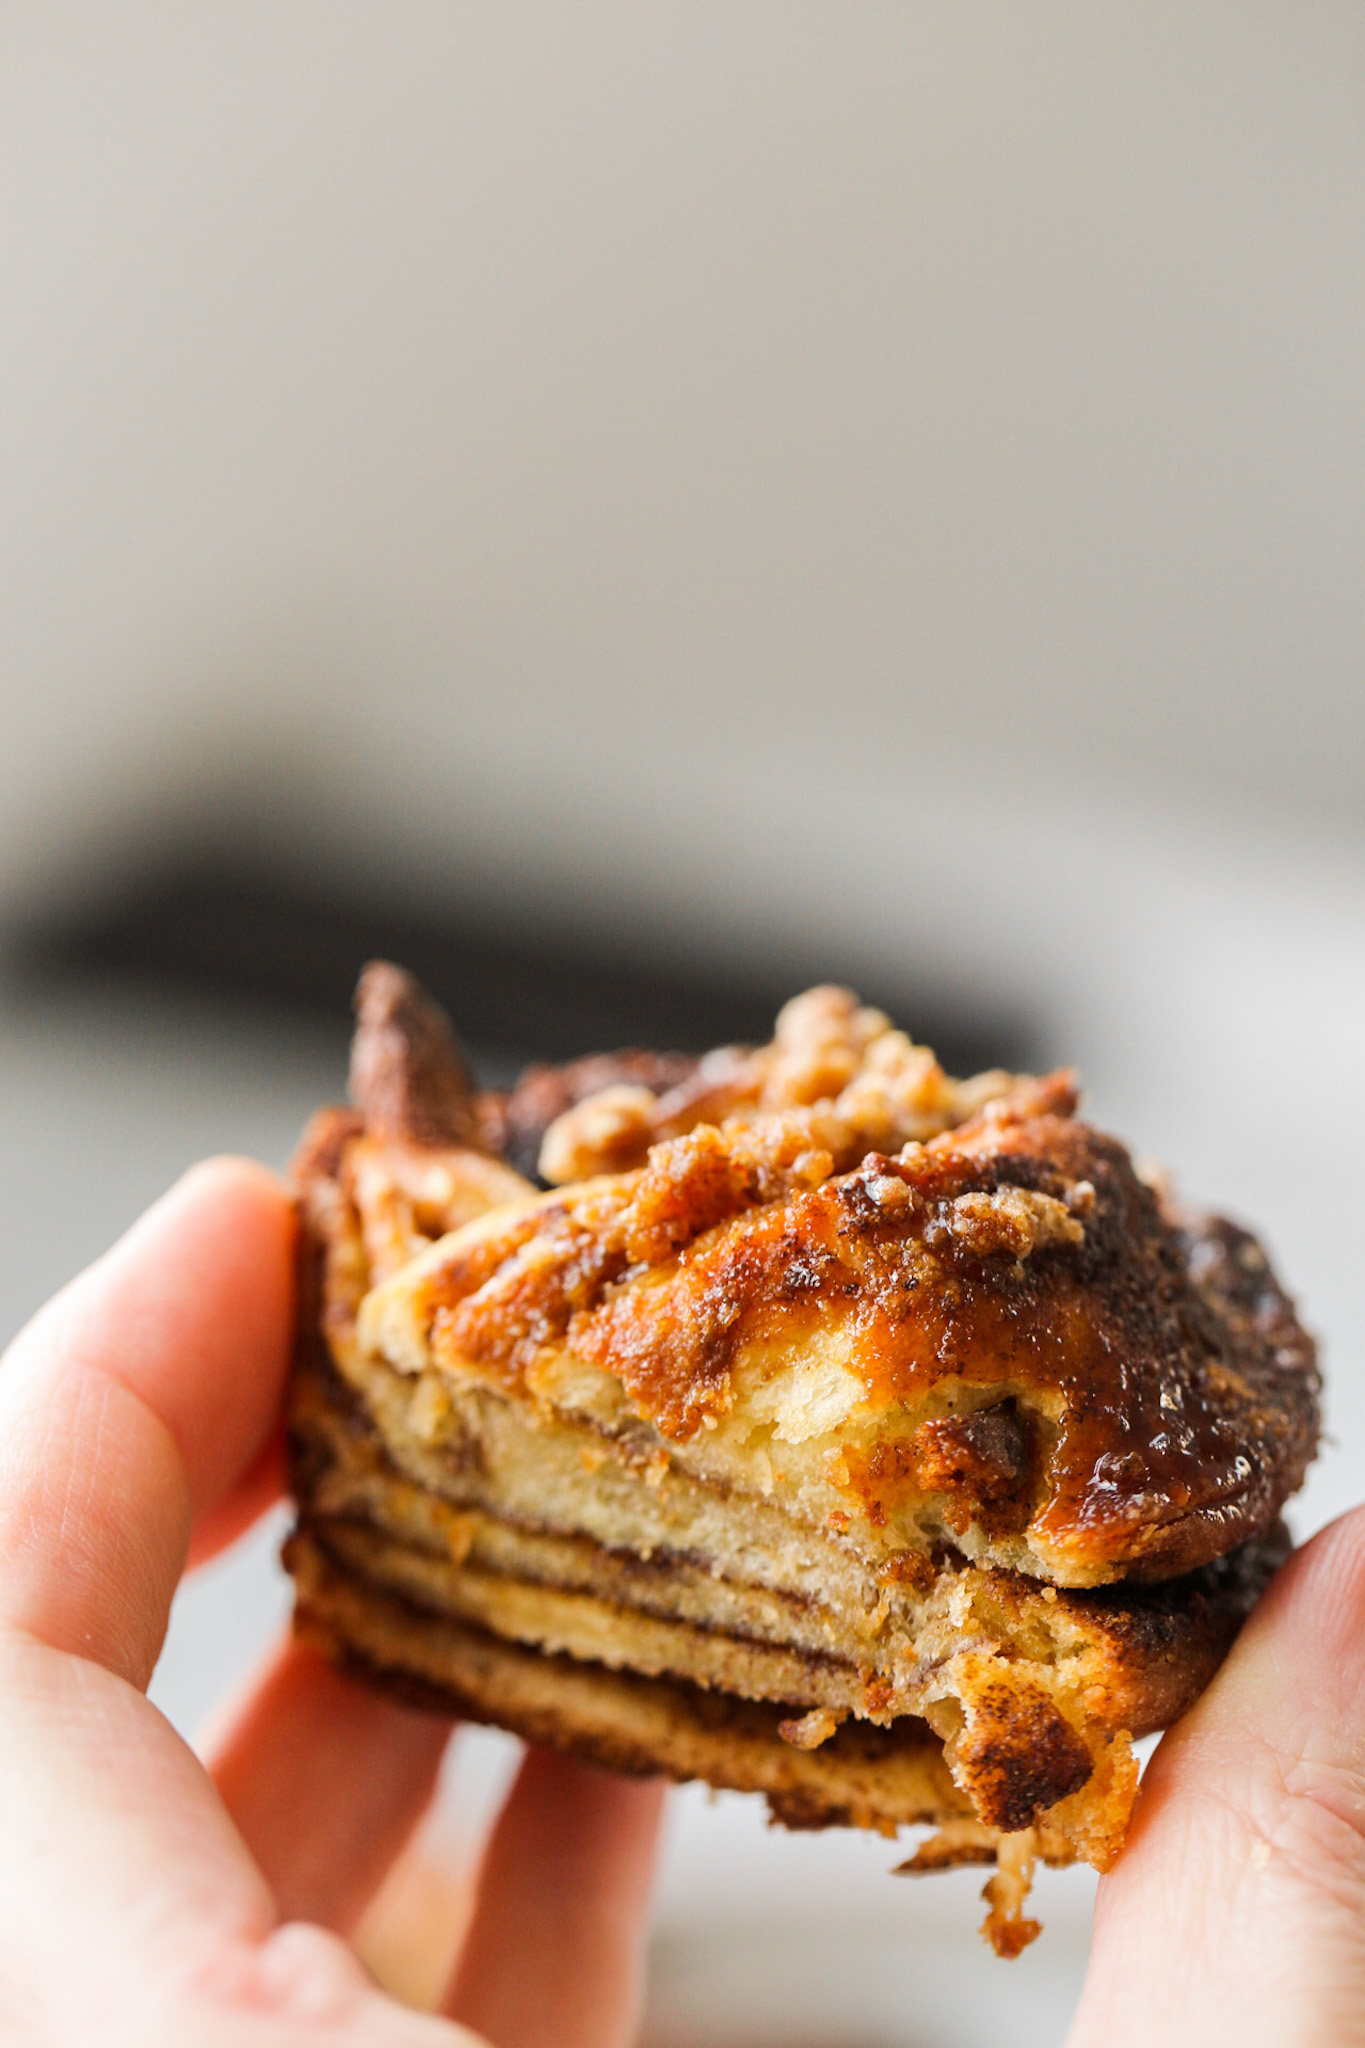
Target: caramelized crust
(875, 1440)
(1152, 1399)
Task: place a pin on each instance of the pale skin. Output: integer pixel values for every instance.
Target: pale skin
(148, 1895)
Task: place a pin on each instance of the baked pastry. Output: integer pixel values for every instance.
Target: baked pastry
(880, 1442)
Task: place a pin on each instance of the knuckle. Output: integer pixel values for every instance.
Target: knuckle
(298, 1973)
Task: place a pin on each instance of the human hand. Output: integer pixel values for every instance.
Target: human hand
(146, 1897)
(1237, 1911)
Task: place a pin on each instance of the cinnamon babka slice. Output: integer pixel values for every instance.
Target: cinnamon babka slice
(840, 1431)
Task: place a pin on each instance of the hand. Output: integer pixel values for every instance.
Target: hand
(146, 1897)
(1237, 1911)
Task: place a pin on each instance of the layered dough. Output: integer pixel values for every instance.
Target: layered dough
(901, 1486)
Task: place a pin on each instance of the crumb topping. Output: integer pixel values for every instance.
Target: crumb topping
(859, 1084)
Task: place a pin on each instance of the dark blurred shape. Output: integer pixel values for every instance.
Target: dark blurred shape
(214, 928)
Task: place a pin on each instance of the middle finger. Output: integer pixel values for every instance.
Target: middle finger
(325, 1780)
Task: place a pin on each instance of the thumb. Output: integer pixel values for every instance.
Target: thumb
(1237, 1912)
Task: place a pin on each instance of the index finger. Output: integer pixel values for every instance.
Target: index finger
(131, 1404)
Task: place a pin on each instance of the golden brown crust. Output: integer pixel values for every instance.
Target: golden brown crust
(1162, 1401)
(893, 1482)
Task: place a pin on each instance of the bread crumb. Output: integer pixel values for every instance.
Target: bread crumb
(810, 1730)
(1005, 1926)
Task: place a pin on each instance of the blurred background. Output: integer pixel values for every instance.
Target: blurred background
(632, 508)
